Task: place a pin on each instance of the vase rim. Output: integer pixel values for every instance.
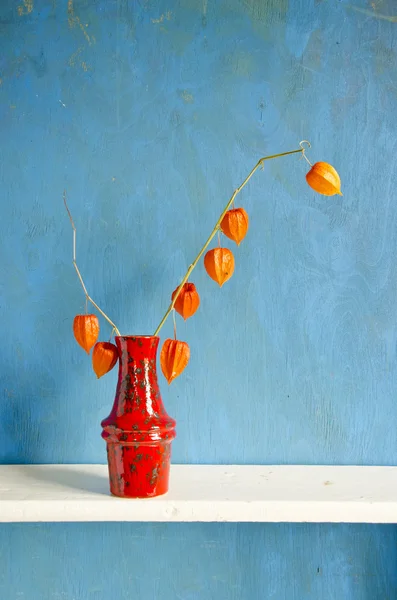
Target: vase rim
(124, 337)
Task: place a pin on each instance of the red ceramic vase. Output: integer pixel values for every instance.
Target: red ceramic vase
(138, 432)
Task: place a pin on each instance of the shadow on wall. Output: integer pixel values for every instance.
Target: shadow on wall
(38, 423)
(30, 407)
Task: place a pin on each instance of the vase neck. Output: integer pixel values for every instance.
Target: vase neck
(138, 414)
(134, 348)
(137, 366)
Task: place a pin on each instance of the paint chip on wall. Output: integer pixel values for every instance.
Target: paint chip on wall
(164, 17)
(25, 8)
(186, 96)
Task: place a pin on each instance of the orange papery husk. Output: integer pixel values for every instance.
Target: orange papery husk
(86, 330)
(219, 264)
(188, 300)
(324, 179)
(235, 224)
(104, 357)
(174, 357)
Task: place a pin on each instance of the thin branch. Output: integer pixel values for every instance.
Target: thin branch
(173, 316)
(217, 228)
(88, 297)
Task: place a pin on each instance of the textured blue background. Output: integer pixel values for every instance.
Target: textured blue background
(150, 114)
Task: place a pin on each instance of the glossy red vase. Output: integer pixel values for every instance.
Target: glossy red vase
(138, 432)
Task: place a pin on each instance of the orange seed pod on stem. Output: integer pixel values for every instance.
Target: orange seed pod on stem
(104, 357)
(174, 358)
(86, 330)
(324, 179)
(219, 264)
(188, 300)
(235, 224)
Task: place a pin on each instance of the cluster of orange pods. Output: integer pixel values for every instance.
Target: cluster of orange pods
(219, 264)
(174, 356)
(86, 332)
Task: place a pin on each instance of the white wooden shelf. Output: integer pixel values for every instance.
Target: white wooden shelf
(313, 494)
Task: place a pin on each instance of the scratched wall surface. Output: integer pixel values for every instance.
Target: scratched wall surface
(149, 114)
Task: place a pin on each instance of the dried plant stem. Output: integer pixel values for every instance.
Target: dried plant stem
(87, 296)
(217, 227)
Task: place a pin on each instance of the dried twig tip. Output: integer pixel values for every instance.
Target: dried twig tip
(87, 296)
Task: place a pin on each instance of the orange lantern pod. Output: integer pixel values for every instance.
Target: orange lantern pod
(174, 357)
(235, 224)
(188, 300)
(219, 264)
(86, 330)
(104, 357)
(324, 179)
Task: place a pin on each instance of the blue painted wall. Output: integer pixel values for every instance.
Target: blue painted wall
(150, 114)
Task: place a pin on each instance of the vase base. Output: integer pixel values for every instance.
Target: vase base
(139, 471)
(138, 497)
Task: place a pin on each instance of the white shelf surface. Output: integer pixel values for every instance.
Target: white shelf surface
(312, 494)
